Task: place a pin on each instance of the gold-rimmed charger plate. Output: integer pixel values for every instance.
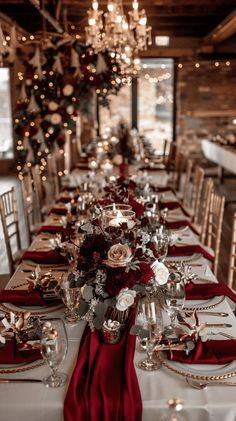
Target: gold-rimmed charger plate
(20, 368)
(192, 258)
(205, 372)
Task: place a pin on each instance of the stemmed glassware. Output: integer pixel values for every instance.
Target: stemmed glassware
(161, 242)
(174, 302)
(53, 349)
(70, 295)
(149, 317)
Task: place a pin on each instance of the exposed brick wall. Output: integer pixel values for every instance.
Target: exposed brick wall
(208, 89)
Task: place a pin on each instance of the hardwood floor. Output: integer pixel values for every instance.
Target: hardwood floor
(228, 189)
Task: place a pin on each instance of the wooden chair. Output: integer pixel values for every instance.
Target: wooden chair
(31, 206)
(186, 189)
(53, 177)
(39, 190)
(180, 167)
(232, 258)
(201, 216)
(192, 202)
(10, 224)
(214, 226)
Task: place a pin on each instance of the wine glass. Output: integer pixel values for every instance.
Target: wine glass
(149, 317)
(174, 302)
(53, 348)
(70, 295)
(161, 241)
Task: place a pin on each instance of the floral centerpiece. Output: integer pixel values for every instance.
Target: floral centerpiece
(113, 266)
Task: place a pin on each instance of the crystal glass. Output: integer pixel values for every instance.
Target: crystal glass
(53, 349)
(161, 242)
(149, 317)
(174, 302)
(70, 295)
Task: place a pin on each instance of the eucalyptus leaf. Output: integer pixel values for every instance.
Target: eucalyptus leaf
(100, 309)
(98, 322)
(139, 288)
(88, 293)
(83, 308)
(71, 279)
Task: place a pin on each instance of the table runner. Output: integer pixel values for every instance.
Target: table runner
(104, 385)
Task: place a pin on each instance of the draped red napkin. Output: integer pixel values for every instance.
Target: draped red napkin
(24, 297)
(171, 206)
(104, 385)
(212, 351)
(58, 229)
(10, 354)
(47, 257)
(209, 352)
(59, 211)
(188, 251)
(207, 291)
(67, 199)
(179, 224)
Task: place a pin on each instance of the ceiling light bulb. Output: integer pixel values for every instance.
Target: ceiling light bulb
(92, 21)
(95, 5)
(110, 6)
(135, 5)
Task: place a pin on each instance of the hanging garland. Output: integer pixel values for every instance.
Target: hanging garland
(56, 86)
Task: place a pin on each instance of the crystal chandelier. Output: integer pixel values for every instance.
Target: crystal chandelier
(113, 31)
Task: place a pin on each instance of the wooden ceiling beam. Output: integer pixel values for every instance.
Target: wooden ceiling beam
(223, 30)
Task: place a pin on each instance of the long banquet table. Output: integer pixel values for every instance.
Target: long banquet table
(224, 156)
(27, 402)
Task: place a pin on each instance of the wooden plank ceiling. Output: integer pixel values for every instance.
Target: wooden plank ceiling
(176, 18)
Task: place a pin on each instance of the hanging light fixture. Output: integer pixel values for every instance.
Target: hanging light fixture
(111, 30)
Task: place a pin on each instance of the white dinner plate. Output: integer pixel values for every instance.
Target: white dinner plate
(201, 371)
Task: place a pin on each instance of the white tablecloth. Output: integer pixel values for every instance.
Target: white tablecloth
(35, 402)
(222, 155)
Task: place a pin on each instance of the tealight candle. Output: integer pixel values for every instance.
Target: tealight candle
(119, 219)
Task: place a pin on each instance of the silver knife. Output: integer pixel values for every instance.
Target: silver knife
(209, 313)
(20, 381)
(220, 325)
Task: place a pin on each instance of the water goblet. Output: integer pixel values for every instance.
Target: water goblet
(174, 302)
(161, 241)
(149, 317)
(53, 348)
(70, 295)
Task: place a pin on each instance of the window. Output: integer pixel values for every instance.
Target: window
(155, 101)
(120, 109)
(6, 136)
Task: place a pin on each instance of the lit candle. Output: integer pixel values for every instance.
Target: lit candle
(119, 219)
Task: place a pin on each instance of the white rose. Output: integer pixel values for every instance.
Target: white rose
(125, 299)
(53, 106)
(117, 160)
(161, 272)
(70, 109)
(55, 118)
(119, 254)
(68, 90)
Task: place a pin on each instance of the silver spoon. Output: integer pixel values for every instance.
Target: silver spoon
(200, 386)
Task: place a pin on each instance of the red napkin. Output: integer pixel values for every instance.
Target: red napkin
(171, 206)
(52, 229)
(24, 297)
(188, 251)
(206, 291)
(209, 352)
(10, 354)
(67, 199)
(104, 385)
(47, 257)
(178, 224)
(59, 211)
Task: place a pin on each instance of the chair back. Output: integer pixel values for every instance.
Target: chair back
(53, 175)
(30, 205)
(214, 226)
(10, 224)
(38, 189)
(197, 191)
(232, 257)
(203, 214)
(186, 190)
